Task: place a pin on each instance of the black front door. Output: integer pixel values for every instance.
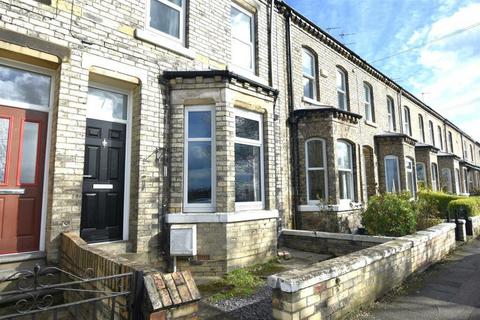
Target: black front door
(103, 182)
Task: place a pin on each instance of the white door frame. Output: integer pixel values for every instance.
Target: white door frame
(128, 150)
(15, 104)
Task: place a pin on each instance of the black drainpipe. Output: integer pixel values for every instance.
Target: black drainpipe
(293, 123)
(164, 237)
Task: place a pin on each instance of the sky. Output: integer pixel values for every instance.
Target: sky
(441, 65)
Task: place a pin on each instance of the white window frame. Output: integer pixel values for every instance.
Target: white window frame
(421, 127)
(457, 181)
(435, 177)
(450, 141)
(424, 172)
(472, 154)
(440, 137)
(252, 35)
(28, 106)
(199, 207)
(160, 33)
(343, 91)
(391, 157)
(465, 180)
(432, 132)
(407, 126)
(368, 102)
(352, 180)
(449, 183)
(253, 205)
(324, 169)
(310, 77)
(410, 172)
(391, 114)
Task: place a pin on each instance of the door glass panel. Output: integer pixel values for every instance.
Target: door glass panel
(4, 129)
(106, 105)
(29, 152)
(24, 86)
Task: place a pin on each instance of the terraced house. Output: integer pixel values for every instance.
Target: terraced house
(198, 129)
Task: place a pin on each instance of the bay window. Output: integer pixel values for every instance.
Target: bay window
(421, 174)
(315, 166)
(447, 180)
(434, 177)
(345, 170)
(410, 176)
(199, 181)
(167, 17)
(249, 189)
(392, 175)
(243, 38)
(457, 181)
(309, 78)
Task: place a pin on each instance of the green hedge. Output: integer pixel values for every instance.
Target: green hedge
(466, 207)
(442, 200)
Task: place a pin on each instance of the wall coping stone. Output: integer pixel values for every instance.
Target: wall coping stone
(339, 236)
(222, 217)
(295, 280)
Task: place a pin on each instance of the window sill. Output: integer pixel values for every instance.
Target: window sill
(311, 101)
(247, 74)
(344, 206)
(250, 215)
(371, 124)
(164, 42)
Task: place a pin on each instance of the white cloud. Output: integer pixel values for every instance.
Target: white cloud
(453, 84)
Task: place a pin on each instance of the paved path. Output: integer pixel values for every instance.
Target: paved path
(449, 290)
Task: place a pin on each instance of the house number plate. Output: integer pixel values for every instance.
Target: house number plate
(102, 186)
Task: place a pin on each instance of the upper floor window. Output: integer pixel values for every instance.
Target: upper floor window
(315, 166)
(407, 124)
(243, 38)
(410, 176)
(432, 133)
(345, 170)
(309, 78)
(450, 141)
(391, 114)
(368, 102)
(199, 184)
(421, 128)
(440, 137)
(168, 17)
(342, 89)
(248, 160)
(465, 151)
(472, 155)
(392, 174)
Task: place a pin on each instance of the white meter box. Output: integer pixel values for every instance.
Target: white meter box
(183, 240)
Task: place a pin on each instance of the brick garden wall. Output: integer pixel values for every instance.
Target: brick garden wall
(328, 243)
(333, 288)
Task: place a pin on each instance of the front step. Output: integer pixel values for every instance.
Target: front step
(10, 264)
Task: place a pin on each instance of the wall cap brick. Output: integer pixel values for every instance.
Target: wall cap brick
(339, 236)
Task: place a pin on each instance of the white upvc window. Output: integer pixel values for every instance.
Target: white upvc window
(432, 133)
(243, 38)
(421, 128)
(450, 141)
(472, 155)
(392, 174)
(368, 102)
(440, 137)
(342, 89)
(446, 181)
(199, 161)
(391, 114)
(464, 180)
(434, 177)
(465, 152)
(410, 176)
(407, 124)
(421, 173)
(315, 170)
(167, 17)
(345, 171)
(457, 181)
(249, 172)
(309, 78)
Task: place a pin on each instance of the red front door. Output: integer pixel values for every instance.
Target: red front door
(22, 157)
